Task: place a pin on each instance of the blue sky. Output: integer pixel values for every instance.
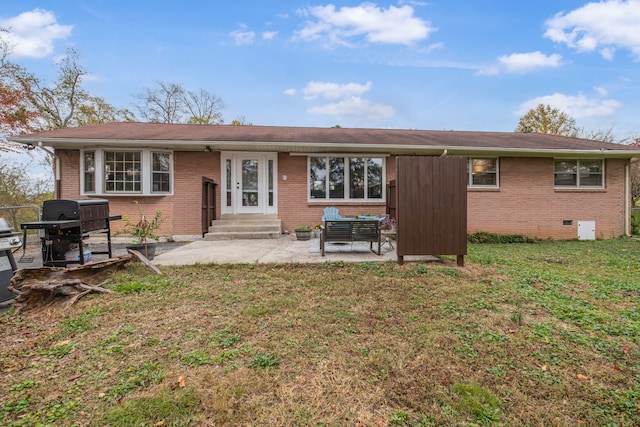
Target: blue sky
(455, 64)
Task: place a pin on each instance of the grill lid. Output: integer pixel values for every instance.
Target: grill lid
(5, 227)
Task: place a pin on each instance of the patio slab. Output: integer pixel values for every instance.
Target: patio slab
(285, 249)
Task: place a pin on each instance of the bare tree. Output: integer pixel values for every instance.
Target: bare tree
(163, 104)
(172, 103)
(204, 107)
(604, 135)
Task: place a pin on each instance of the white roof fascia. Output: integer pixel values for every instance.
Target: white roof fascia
(303, 148)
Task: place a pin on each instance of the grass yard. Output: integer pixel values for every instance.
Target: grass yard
(543, 334)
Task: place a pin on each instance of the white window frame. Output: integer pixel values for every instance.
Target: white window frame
(470, 183)
(578, 184)
(146, 172)
(347, 179)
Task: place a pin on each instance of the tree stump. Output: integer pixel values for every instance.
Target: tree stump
(40, 287)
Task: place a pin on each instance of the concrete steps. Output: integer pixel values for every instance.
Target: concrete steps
(245, 226)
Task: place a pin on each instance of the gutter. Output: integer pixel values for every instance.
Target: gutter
(56, 169)
(310, 147)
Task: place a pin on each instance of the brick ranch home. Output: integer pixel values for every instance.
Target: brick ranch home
(518, 183)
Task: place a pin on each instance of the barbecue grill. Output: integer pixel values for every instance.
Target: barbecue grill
(65, 223)
(9, 240)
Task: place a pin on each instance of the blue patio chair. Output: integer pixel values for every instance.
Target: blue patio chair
(330, 214)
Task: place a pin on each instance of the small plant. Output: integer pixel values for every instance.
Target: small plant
(143, 229)
(303, 228)
(265, 360)
(389, 224)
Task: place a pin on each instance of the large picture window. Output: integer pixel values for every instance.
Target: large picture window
(350, 178)
(108, 171)
(482, 172)
(578, 173)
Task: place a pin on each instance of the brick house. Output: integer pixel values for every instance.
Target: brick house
(538, 185)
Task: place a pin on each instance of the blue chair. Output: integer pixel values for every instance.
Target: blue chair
(331, 214)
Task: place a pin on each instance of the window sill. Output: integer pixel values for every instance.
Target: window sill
(483, 189)
(579, 190)
(126, 194)
(336, 202)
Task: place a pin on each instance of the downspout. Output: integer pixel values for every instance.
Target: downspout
(56, 169)
(627, 198)
(444, 153)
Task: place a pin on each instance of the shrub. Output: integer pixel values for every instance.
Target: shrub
(635, 223)
(482, 237)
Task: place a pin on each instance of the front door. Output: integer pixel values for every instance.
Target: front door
(249, 182)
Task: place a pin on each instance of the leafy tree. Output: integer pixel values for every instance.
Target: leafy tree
(57, 103)
(16, 114)
(241, 121)
(547, 119)
(96, 110)
(18, 187)
(172, 103)
(635, 177)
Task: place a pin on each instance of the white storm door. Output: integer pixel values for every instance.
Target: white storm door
(249, 183)
(249, 197)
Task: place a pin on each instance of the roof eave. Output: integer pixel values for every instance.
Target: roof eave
(306, 147)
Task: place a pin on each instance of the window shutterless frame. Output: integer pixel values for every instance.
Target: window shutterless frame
(110, 172)
(483, 172)
(578, 173)
(346, 178)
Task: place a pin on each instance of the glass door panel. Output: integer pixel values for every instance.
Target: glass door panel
(249, 183)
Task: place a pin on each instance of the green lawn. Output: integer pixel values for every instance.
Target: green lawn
(544, 334)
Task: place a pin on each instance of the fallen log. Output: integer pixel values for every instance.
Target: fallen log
(40, 287)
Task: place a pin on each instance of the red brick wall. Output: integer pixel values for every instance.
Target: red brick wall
(69, 174)
(526, 202)
(293, 207)
(182, 210)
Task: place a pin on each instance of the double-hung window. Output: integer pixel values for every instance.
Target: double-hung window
(346, 178)
(89, 171)
(578, 173)
(482, 172)
(112, 172)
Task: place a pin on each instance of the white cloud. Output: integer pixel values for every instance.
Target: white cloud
(576, 106)
(242, 36)
(395, 25)
(522, 63)
(268, 35)
(328, 90)
(355, 106)
(604, 26)
(33, 34)
(347, 101)
(601, 91)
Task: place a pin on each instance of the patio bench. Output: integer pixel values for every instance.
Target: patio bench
(351, 230)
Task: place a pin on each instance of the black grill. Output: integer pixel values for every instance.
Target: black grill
(65, 222)
(93, 214)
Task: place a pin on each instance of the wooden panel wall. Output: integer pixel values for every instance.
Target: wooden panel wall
(431, 197)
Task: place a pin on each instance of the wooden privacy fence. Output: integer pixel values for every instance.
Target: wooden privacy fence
(431, 206)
